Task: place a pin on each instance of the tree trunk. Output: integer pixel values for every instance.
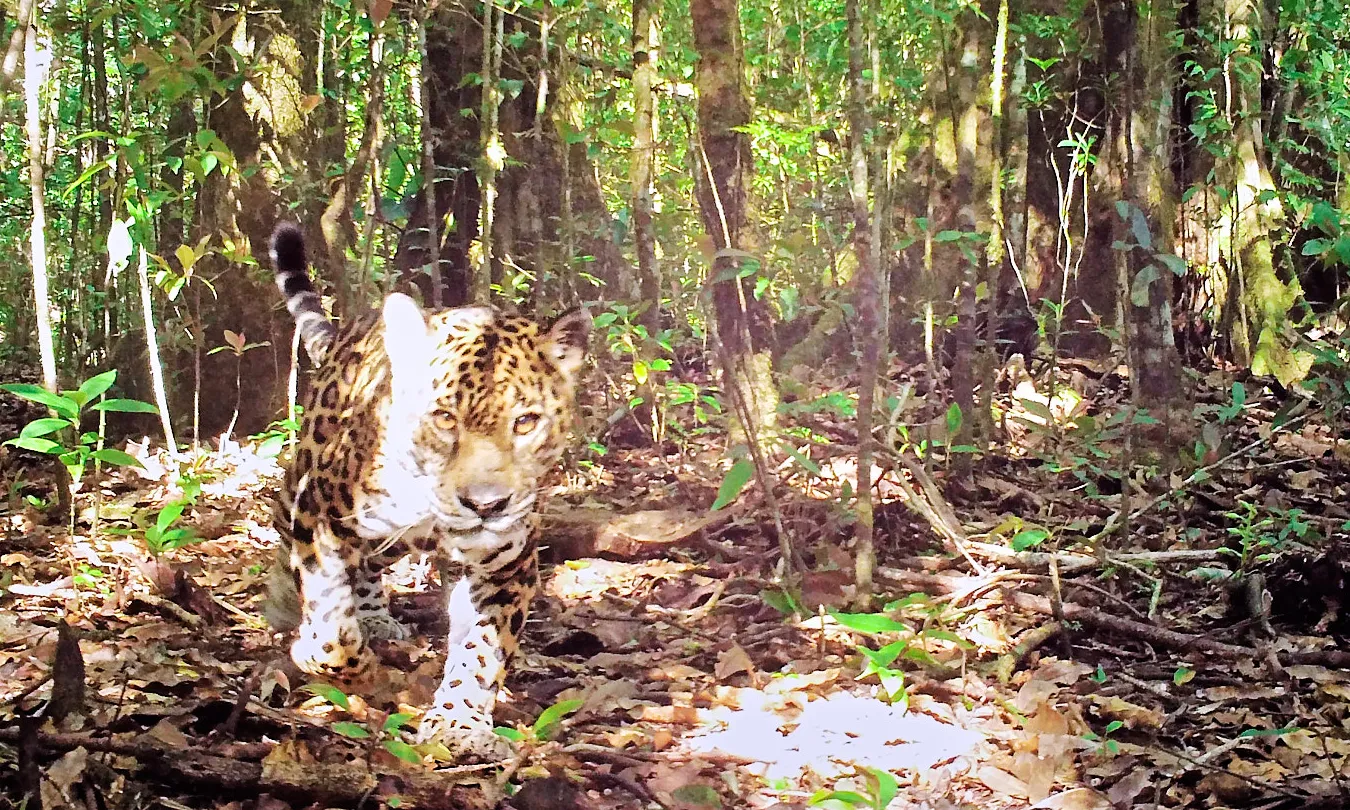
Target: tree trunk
(867, 288)
(645, 48)
(269, 132)
(723, 184)
(1154, 365)
(1260, 338)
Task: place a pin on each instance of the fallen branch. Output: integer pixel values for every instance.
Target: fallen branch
(1168, 638)
(1071, 564)
(311, 782)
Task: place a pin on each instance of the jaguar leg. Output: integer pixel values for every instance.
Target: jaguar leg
(487, 609)
(329, 641)
(372, 598)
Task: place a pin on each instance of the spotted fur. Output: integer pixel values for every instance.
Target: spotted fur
(427, 431)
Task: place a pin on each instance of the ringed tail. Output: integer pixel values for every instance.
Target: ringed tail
(302, 300)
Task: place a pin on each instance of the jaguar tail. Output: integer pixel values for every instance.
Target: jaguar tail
(302, 300)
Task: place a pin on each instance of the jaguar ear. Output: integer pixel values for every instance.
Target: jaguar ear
(567, 339)
(405, 339)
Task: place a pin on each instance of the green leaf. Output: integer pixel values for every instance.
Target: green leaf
(1028, 538)
(36, 393)
(947, 236)
(125, 406)
(736, 479)
(1172, 262)
(547, 724)
(168, 515)
(954, 419)
(117, 458)
(803, 460)
(93, 387)
(43, 427)
(1139, 227)
(356, 731)
(869, 622)
(1139, 288)
(403, 751)
(330, 693)
(36, 444)
(1268, 732)
(512, 734)
(395, 722)
(887, 786)
(845, 796)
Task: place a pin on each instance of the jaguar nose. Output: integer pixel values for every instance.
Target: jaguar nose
(485, 500)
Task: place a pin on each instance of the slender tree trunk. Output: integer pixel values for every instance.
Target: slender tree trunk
(867, 288)
(1154, 365)
(1261, 340)
(152, 348)
(493, 158)
(34, 74)
(723, 183)
(645, 49)
(995, 253)
(429, 174)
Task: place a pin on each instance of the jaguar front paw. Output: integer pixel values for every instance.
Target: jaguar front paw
(331, 655)
(383, 626)
(466, 736)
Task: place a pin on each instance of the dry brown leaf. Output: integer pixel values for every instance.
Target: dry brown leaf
(1002, 782)
(61, 776)
(1079, 798)
(1131, 714)
(732, 660)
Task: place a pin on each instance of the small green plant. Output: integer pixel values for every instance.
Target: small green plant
(60, 435)
(879, 788)
(236, 344)
(1263, 533)
(388, 735)
(1105, 745)
(546, 726)
(912, 646)
(278, 434)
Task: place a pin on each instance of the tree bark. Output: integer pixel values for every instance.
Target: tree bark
(645, 49)
(867, 287)
(723, 184)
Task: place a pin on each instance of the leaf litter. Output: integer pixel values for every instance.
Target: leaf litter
(675, 670)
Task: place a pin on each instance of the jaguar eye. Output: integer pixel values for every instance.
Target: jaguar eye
(526, 423)
(443, 420)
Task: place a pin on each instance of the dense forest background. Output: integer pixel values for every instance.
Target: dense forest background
(1162, 180)
(1051, 293)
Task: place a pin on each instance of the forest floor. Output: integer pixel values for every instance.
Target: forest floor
(1020, 659)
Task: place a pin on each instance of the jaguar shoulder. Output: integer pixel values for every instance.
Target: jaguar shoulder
(425, 430)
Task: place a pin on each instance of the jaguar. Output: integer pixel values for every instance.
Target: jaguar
(426, 431)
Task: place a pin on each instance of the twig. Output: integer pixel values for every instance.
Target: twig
(1007, 663)
(1168, 638)
(934, 508)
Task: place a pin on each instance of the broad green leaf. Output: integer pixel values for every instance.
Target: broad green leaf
(125, 406)
(1028, 538)
(37, 445)
(403, 751)
(328, 692)
(845, 796)
(736, 479)
(1139, 228)
(869, 622)
(954, 419)
(36, 393)
(43, 427)
(887, 786)
(803, 460)
(98, 384)
(549, 718)
(1172, 262)
(512, 734)
(356, 731)
(169, 514)
(396, 721)
(117, 458)
(1142, 280)
(1268, 732)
